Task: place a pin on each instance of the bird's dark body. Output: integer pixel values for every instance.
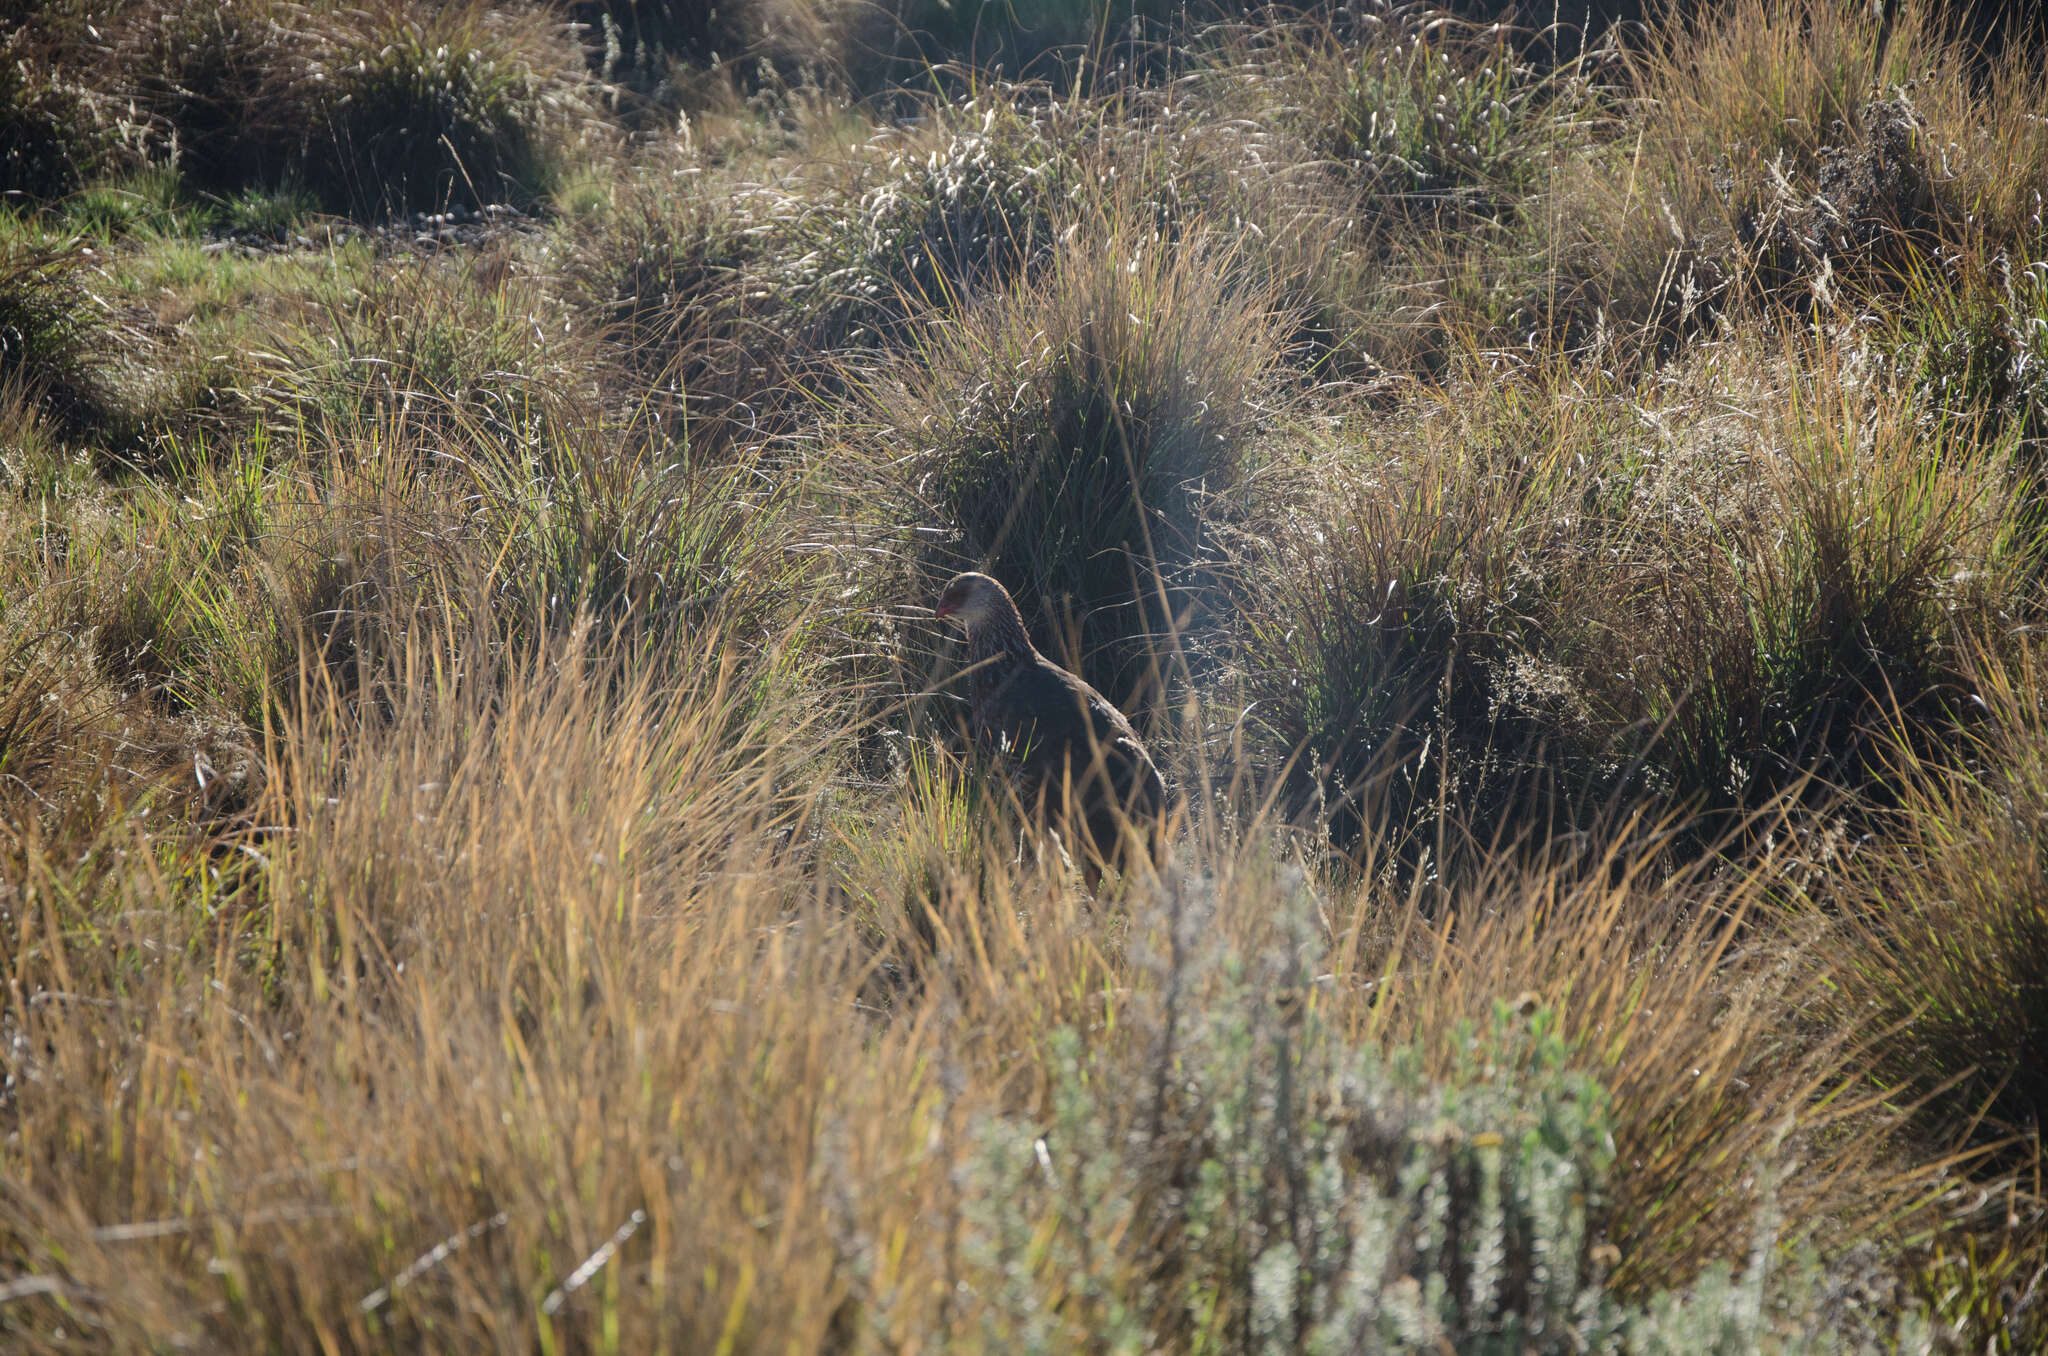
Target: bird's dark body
(1077, 760)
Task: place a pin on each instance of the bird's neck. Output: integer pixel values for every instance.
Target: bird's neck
(996, 645)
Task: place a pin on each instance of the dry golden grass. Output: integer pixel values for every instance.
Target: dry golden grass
(485, 859)
(592, 988)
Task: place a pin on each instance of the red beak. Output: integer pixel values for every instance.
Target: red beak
(944, 609)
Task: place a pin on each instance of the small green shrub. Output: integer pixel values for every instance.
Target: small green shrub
(272, 213)
(1324, 1199)
(1246, 1179)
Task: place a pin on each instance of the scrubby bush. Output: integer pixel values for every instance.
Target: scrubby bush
(1289, 1194)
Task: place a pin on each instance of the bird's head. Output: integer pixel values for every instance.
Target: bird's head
(972, 599)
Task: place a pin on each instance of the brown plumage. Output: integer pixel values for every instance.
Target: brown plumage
(1078, 761)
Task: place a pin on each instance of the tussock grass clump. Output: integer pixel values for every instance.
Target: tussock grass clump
(203, 614)
(416, 107)
(971, 203)
(680, 286)
(1979, 347)
(1389, 645)
(1434, 120)
(1764, 80)
(47, 331)
(57, 130)
(1957, 956)
(1809, 155)
(916, 43)
(387, 109)
(211, 74)
(1070, 432)
(738, 303)
(1536, 605)
(611, 530)
(468, 343)
(1831, 608)
(643, 45)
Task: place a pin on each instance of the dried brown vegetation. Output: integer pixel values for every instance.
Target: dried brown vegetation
(486, 857)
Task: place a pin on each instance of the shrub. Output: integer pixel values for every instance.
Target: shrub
(1071, 431)
(1295, 1195)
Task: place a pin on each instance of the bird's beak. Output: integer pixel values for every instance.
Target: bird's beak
(943, 611)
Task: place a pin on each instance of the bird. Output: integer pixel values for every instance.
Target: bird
(1078, 764)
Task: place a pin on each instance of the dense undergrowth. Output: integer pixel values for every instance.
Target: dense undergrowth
(487, 858)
